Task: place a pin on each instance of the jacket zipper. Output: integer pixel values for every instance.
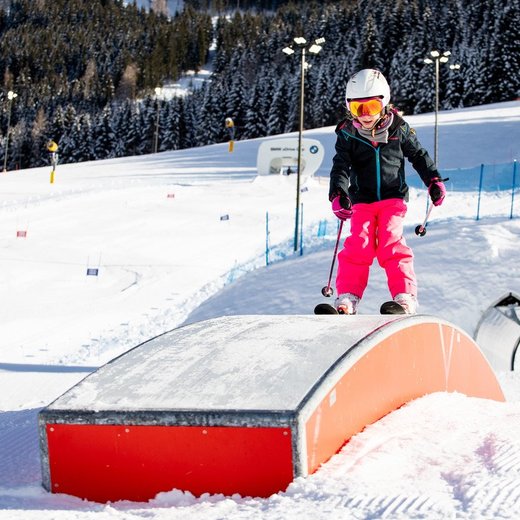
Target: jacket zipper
(378, 162)
(378, 173)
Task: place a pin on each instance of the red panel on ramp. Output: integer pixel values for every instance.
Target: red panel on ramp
(108, 463)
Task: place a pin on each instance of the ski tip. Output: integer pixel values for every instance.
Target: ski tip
(392, 307)
(324, 308)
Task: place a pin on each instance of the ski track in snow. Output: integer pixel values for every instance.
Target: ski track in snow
(488, 490)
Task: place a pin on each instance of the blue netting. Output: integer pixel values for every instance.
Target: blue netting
(494, 177)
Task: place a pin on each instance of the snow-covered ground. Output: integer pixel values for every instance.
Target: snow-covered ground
(152, 227)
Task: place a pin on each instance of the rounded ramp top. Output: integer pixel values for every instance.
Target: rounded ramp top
(229, 363)
(262, 363)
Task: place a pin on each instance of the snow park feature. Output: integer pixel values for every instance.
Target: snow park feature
(246, 404)
(280, 156)
(501, 319)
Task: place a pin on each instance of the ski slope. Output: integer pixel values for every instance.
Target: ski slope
(152, 228)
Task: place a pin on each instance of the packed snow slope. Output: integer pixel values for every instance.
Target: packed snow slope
(152, 227)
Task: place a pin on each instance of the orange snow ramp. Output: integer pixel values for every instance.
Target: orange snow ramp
(409, 363)
(245, 404)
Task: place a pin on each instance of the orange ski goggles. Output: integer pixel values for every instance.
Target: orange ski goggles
(365, 107)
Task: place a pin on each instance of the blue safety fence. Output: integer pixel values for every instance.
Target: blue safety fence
(484, 177)
(486, 181)
(491, 188)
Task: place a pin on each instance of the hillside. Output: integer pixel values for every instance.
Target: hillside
(94, 92)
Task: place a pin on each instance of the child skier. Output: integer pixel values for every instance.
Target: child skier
(367, 186)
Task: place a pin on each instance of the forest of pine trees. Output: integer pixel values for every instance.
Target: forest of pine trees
(85, 72)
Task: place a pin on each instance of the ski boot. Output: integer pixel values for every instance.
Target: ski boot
(407, 301)
(347, 303)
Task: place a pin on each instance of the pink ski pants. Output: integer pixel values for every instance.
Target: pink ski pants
(376, 230)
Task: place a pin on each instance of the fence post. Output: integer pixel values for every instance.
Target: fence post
(513, 189)
(301, 230)
(480, 189)
(322, 228)
(266, 238)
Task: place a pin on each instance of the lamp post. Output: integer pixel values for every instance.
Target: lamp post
(10, 96)
(156, 135)
(314, 48)
(437, 59)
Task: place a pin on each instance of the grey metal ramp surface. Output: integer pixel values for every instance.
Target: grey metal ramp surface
(498, 332)
(262, 363)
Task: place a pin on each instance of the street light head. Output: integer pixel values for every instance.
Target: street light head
(319, 41)
(315, 49)
(446, 53)
(435, 54)
(444, 59)
(288, 50)
(300, 40)
(455, 66)
(11, 95)
(428, 61)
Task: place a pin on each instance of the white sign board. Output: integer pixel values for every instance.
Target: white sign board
(280, 156)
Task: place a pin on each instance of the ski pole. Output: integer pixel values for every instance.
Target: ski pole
(328, 291)
(420, 230)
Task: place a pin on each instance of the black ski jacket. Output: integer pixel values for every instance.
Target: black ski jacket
(369, 173)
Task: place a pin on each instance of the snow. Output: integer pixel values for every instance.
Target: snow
(152, 227)
(229, 360)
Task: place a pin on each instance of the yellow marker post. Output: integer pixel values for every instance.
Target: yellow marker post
(230, 125)
(52, 148)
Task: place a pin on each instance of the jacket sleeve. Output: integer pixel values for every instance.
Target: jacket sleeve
(417, 155)
(340, 172)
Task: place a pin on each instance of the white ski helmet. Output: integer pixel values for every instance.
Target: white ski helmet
(367, 83)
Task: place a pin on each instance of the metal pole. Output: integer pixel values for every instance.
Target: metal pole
(436, 135)
(7, 135)
(298, 173)
(480, 189)
(266, 238)
(301, 231)
(156, 140)
(513, 189)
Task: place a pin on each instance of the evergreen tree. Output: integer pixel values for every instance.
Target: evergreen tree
(504, 51)
(103, 136)
(171, 126)
(278, 107)
(83, 71)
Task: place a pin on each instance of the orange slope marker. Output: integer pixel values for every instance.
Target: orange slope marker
(245, 404)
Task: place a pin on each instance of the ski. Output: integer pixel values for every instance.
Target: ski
(325, 308)
(389, 307)
(392, 307)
